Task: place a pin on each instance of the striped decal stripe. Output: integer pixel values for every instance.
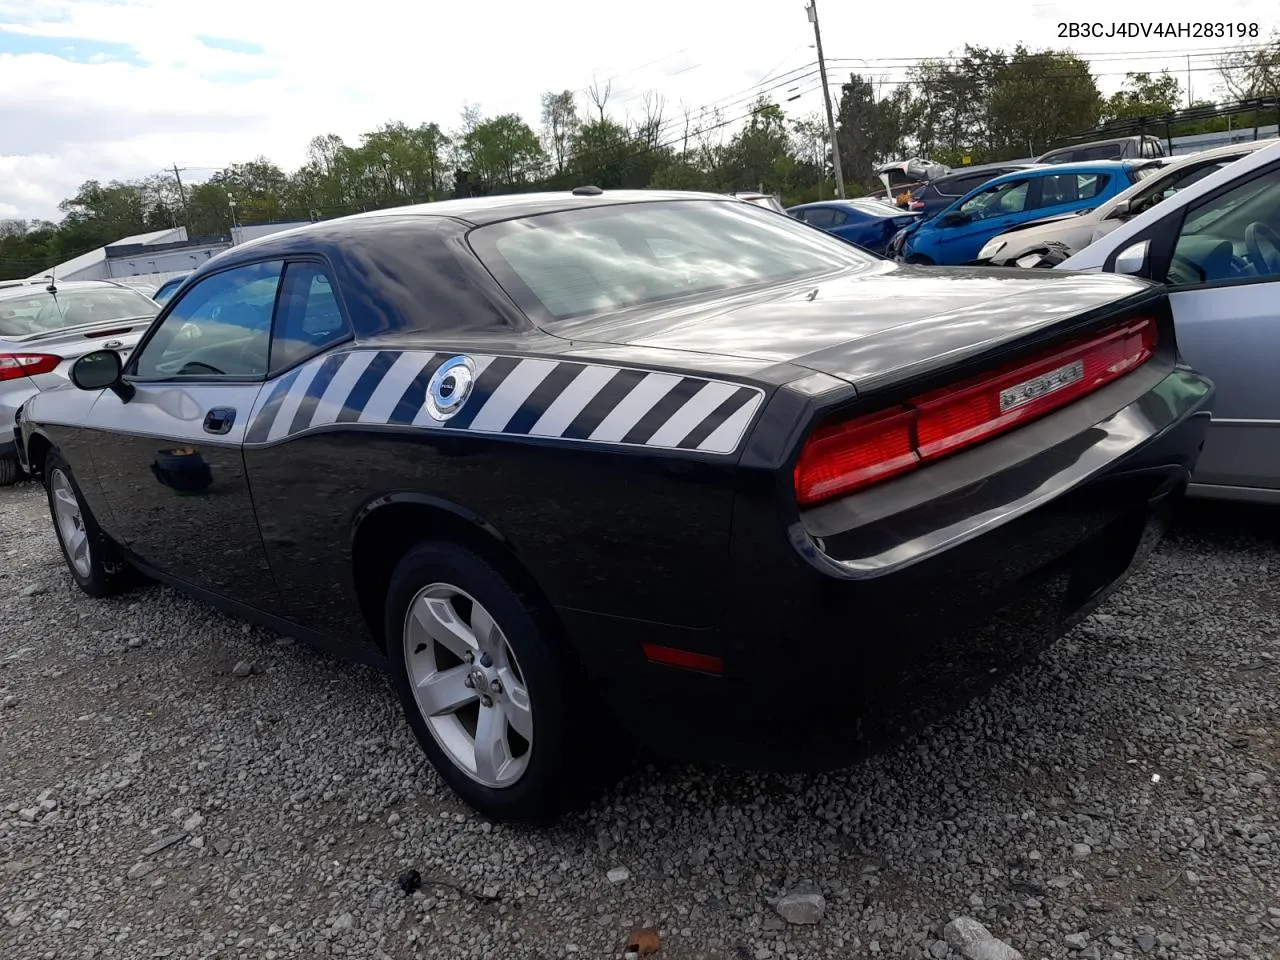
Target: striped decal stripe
(539, 397)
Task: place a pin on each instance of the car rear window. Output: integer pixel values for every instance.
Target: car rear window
(588, 261)
(44, 312)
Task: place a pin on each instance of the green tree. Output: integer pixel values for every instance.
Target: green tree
(951, 101)
(560, 124)
(502, 152)
(1039, 97)
(870, 130)
(1143, 95)
(1253, 71)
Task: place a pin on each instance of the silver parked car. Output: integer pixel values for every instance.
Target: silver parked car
(44, 328)
(1216, 248)
(1074, 232)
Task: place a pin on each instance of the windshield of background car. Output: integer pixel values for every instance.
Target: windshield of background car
(44, 312)
(1167, 186)
(579, 263)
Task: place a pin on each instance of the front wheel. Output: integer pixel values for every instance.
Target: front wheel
(491, 694)
(90, 556)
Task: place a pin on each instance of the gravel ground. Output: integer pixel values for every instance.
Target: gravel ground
(1116, 799)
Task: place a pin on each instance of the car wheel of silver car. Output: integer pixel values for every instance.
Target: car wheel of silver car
(490, 692)
(90, 556)
(10, 471)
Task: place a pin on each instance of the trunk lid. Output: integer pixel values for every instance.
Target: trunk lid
(878, 323)
(72, 343)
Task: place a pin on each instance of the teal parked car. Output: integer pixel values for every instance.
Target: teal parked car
(955, 234)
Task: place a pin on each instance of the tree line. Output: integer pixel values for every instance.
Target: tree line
(983, 105)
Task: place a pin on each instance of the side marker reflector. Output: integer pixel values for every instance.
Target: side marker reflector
(674, 657)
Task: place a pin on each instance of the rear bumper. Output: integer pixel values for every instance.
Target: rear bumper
(838, 644)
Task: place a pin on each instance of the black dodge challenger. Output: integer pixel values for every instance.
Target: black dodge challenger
(585, 467)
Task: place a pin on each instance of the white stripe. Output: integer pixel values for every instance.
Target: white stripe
(284, 416)
(700, 406)
(335, 395)
(382, 403)
(726, 436)
(513, 391)
(424, 417)
(572, 399)
(634, 405)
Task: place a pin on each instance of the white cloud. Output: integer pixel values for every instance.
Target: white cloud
(343, 68)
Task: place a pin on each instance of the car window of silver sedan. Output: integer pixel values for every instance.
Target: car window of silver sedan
(1233, 236)
(45, 312)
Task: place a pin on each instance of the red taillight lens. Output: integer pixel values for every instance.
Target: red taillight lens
(15, 365)
(844, 457)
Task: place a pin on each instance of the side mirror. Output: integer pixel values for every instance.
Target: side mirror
(1120, 210)
(1133, 258)
(955, 218)
(101, 370)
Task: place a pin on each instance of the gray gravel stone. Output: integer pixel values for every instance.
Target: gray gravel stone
(975, 942)
(803, 905)
(315, 798)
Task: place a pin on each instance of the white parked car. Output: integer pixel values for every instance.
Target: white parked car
(1216, 245)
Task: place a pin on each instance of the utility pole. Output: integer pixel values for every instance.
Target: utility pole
(812, 11)
(182, 194)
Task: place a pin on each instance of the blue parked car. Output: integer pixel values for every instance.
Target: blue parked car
(956, 234)
(868, 223)
(168, 288)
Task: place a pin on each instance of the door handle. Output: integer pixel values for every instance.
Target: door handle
(219, 420)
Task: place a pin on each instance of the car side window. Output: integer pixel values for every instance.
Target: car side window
(1062, 188)
(838, 218)
(999, 200)
(221, 327)
(308, 318)
(1233, 236)
(820, 217)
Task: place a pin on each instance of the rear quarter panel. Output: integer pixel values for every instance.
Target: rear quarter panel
(607, 515)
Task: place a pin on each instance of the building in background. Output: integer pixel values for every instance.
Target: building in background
(143, 260)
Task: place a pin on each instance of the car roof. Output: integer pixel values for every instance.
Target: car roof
(1232, 171)
(1011, 166)
(479, 211)
(853, 202)
(1083, 166)
(26, 288)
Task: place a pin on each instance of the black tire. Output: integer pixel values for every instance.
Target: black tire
(10, 471)
(557, 777)
(108, 574)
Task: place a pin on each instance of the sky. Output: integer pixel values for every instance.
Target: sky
(117, 89)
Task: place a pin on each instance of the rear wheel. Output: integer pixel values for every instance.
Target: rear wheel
(91, 558)
(492, 696)
(10, 471)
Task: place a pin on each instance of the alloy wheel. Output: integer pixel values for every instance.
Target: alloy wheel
(69, 521)
(468, 685)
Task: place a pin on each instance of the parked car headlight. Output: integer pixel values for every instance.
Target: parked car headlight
(990, 249)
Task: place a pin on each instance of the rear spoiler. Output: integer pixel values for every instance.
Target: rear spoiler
(95, 329)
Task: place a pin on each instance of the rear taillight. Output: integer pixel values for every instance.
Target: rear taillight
(840, 458)
(15, 365)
